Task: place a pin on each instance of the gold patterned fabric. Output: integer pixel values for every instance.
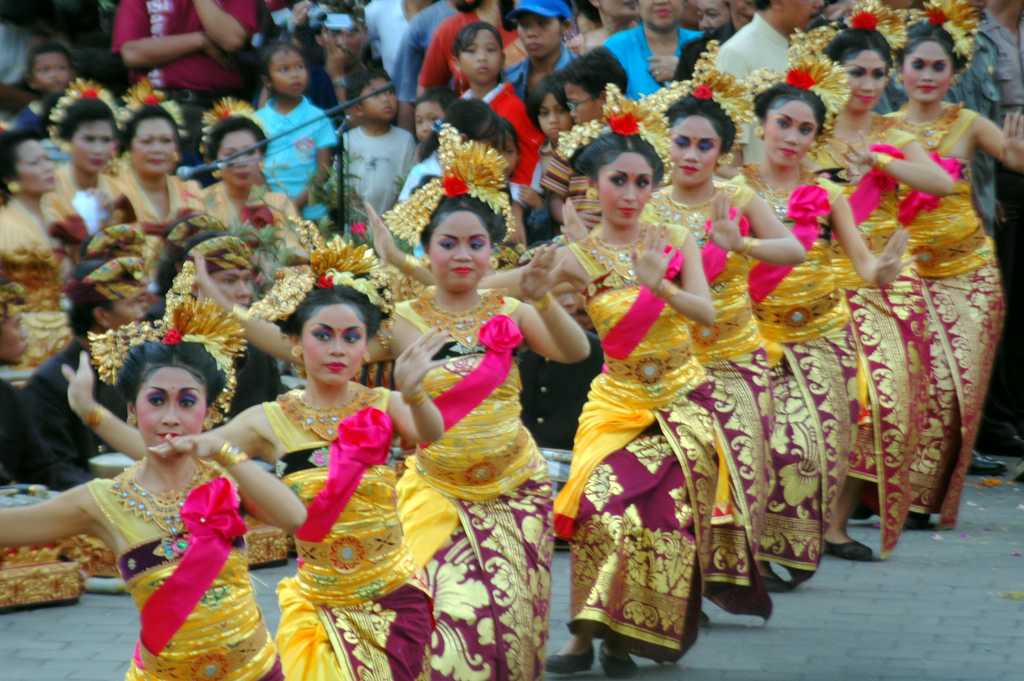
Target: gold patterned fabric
(225, 636)
(279, 209)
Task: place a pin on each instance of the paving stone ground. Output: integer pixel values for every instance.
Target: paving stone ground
(936, 611)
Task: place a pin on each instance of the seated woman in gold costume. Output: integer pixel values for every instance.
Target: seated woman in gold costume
(28, 255)
(173, 518)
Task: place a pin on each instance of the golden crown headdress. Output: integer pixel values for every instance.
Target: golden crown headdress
(143, 94)
(187, 320)
(80, 89)
(12, 298)
(471, 168)
(621, 116)
(708, 83)
(333, 263)
(960, 19)
(872, 15)
(222, 110)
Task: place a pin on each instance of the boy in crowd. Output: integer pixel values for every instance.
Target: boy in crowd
(541, 24)
(49, 72)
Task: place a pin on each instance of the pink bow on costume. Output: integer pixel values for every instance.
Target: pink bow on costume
(918, 201)
(873, 185)
(714, 256)
(634, 325)
(807, 203)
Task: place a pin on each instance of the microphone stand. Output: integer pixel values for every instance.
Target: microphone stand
(340, 150)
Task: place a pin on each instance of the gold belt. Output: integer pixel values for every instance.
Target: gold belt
(928, 257)
(208, 666)
(483, 472)
(355, 550)
(706, 336)
(797, 316)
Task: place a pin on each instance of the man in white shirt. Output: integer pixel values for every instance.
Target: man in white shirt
(762, 44)
(386, 23)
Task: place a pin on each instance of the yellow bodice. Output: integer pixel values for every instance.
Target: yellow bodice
(734, 333)
(879, 227)
(488, 452)
(225, 636)
(808, 302)
(27, 257)
(949, 240)
(183, 195)
(663, 367)
(364, 556)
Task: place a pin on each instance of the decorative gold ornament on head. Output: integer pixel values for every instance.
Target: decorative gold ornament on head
(624, 117)
(708, 83)
(80, 89)
(471, 168)
(116, 279)
(143, 94)
(222, 110)
(960, 19)
(224, 253)
(116, 241)
(872, 15)
(12, 298)
(179, 233)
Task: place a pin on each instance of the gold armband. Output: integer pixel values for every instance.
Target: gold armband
(95, 417)
(229, 455)
(544, 302)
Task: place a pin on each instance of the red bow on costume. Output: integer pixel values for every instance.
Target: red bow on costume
(873, 185)
(917, 201)
(807, 203)
(257, 216)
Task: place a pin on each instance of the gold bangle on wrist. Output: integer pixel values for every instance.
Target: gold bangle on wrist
(665, 289)
(747, 245)
(240, 313)
(94, 417)
(882, 160)
(229, 455)
(544, 302)
(417, 398)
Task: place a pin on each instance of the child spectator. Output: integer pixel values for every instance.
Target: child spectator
(49, 72)
(380, 153)
(549, 111)
(541, 24)
(429, 108)
(302, 157)
(343, 39)
(480, 59)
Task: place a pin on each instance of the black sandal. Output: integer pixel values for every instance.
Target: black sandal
(851, 550)
(570, 664)
(616, 667)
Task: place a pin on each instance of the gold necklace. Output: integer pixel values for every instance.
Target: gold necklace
(461, 326)
(323, 422)
(162, 510)
(931, 133)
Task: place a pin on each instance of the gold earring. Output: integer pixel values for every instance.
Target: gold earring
(14, 187)
(759, 131)
(132, 420)
(297, 352)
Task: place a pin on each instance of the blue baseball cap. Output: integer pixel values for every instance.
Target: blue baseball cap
(557, 9)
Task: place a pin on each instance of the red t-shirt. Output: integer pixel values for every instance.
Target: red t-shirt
(440, 65)
(506, 103)
(138, 19)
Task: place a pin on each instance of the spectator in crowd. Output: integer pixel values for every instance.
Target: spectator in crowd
(762, 44)
(690, 16)
(585, 81)
(185, 48)
(410, 57)
(104, 294)
(741, 12)
(615, 16)
(711, 14)
(714, 20)
(650, 52)
(430, 108)
(478, 50)
(23, 456)
(380, 154)
(549, 111)
(302, 157)
(386, 23)
(439, 64)
(343, 39)
(49, 72)
(541, 24)
(15, 41)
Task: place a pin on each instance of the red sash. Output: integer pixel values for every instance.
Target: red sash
(634, 325)
(873, 185)
(363, 440)
(807, 203)
(918, 201)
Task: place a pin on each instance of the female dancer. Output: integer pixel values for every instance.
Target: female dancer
(173, 518)
(84, 198)
(803, 316)
(734, 228)
(27, 255)
(952, 254)
(889, 329)
(476, 504)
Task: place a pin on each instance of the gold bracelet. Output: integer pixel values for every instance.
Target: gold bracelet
(240, 313)
(665, 289)
(410, 262)
(882, 160)
(544, 302)
(95, 417)
(229, 455)
(417, 398)
(748, 245)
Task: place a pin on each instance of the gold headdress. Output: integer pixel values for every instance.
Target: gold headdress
(79, 90)
(872, 15)
(12, 298)
(334, 263)
(224, 253)
(115, 279)
(192, 225)
(708, 82)
(224, 109)
(144, 94)
(809, 69)
(116, 241)
(471, 168)
(960, 19)
(623, 117)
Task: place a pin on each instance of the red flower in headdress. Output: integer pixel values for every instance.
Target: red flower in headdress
(703, 92)
(624, 124)
(325, 281)
(151, 100)
(90, 93)
(172, 337)
(454, 186)
(936, 17)
(864, 20)
(799, 79)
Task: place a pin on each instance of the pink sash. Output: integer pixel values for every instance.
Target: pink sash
(917, 201)
(363, 440)
(634, 325)
(714, 256)
(210, 515)
(500, 336)
(873, 185)
(807, 203)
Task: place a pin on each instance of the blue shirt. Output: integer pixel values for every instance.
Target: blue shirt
(631, 49)
(519, 75)
(414, 46)
(290, 162)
